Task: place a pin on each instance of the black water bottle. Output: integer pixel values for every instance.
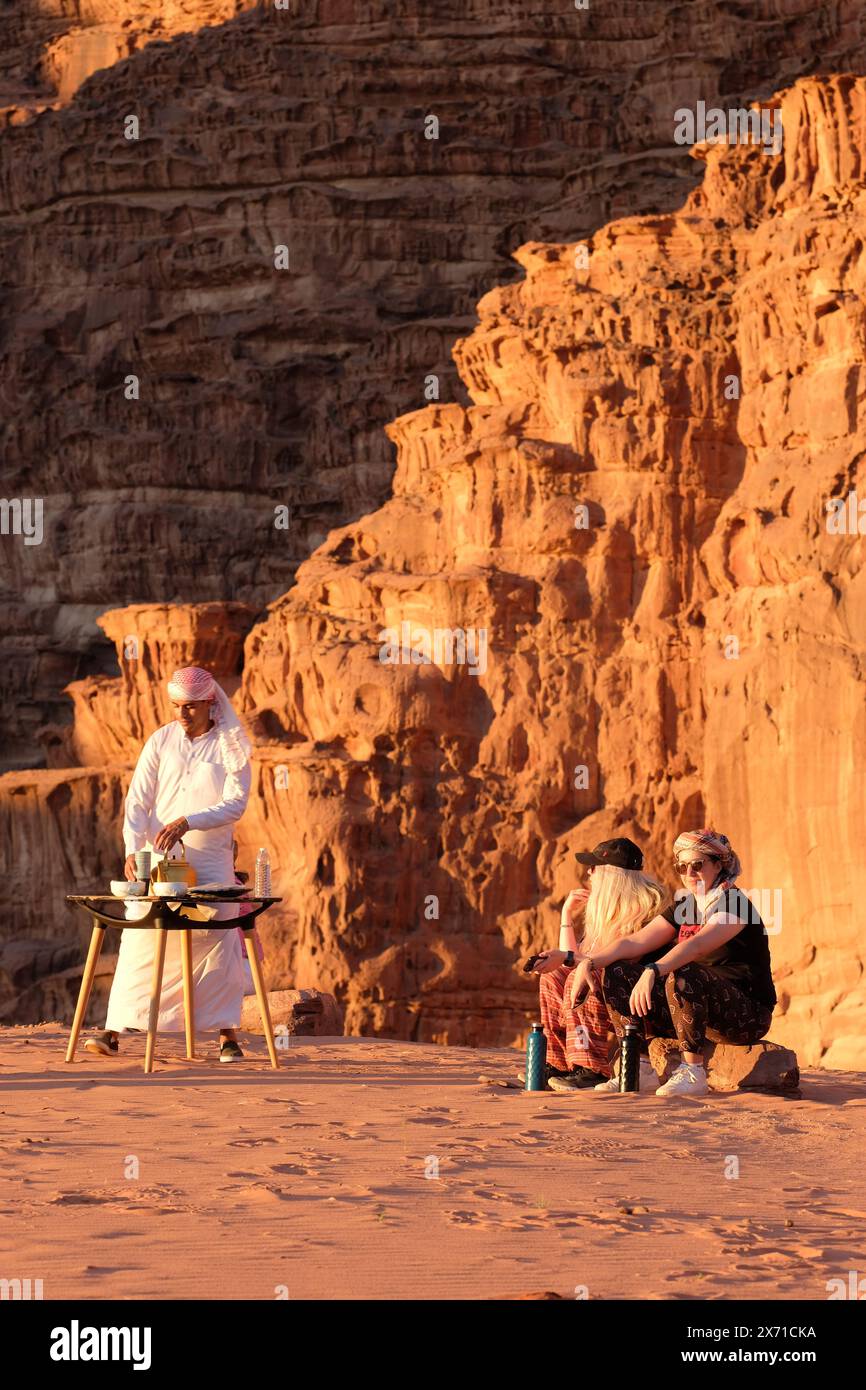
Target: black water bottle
(629, 1059)
(536, 1056)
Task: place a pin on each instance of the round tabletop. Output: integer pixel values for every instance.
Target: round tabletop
(173, 913)
(165, 898)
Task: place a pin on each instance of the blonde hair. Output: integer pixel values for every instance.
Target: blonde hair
(621, 901)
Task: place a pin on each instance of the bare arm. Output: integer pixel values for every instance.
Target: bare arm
(567, 938)
(650, 938)
(710, 937)
(571, 910)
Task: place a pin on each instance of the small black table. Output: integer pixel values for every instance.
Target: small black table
(167, 914)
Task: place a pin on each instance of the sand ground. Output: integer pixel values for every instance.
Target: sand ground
(371, 1168)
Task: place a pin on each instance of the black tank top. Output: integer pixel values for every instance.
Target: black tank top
(745, 959)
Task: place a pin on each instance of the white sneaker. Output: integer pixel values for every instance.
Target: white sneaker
(689, 1079)
(647, 1081)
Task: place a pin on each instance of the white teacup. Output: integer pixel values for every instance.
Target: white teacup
(124, 888)
(170, 890)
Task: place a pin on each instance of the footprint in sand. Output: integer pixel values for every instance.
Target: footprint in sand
(295, 1168)
(466, 1218)
(530, 1137)
(155, 1200)
(484, 1194)
(79, 1199)
(266, 1192)
(249, 1143)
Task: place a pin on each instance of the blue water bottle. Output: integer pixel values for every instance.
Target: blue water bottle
(536, 1056)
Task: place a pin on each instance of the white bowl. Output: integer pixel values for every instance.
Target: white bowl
(171, 890)
(123, 888)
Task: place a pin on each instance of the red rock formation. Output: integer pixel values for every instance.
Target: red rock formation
(50, 48)
(260, 387)
(112, 718)
(425, 816)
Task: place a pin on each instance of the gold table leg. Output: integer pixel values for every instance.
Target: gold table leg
(87, 979)
(261, 995)
(188, 1000)
(155, 996)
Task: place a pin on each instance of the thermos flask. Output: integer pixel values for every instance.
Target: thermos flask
(536, 1056)
(629, 1059)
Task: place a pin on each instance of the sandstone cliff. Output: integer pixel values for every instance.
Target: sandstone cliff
(697, 646)
(154, 258)
(633, 510)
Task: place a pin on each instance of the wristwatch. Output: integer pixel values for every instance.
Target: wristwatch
(569, 959)
(651, 965)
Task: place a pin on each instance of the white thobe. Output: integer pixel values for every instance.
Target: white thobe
(179, 776)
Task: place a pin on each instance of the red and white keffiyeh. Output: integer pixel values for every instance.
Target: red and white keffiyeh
(194, 683)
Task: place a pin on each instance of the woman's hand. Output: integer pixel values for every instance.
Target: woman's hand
(583, 980)
(573, 906)
(640, 1001)
(170, 834)
(548, 960)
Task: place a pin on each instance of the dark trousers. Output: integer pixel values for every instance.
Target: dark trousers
(691, 1004)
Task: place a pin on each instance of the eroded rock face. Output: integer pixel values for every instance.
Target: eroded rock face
(609, 513)
(61, 832)
(426, 815)
(112, 717)
(50, 48)
(260, 388)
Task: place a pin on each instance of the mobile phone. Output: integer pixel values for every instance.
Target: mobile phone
(531, 962)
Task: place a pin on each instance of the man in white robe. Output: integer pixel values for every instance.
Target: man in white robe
(191, 782)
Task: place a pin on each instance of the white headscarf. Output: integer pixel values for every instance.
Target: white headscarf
(194, 683)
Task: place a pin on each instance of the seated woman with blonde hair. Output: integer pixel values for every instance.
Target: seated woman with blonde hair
(619, 901)
(714, 982)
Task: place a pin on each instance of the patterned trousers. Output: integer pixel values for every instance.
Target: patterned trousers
(691, 1004)
(576, 1034)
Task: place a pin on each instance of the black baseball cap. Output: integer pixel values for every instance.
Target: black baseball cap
(622, 854)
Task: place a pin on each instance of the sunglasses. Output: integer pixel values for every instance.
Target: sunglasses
(695, 867)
